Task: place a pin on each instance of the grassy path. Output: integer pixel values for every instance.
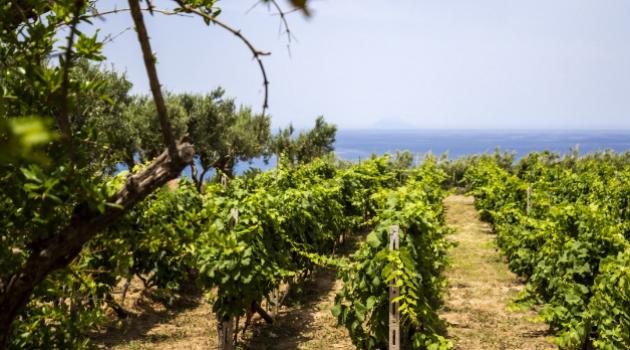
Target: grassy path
(481, 288)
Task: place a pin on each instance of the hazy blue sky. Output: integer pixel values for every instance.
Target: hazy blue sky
(425, 64)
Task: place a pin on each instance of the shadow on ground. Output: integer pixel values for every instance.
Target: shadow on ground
(290, 328)
(306, 322)
(148, 313)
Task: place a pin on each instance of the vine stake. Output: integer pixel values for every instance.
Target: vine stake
(394, 292)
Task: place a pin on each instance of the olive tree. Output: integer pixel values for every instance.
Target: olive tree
(307, 145)
(55, 193)
(223, 133)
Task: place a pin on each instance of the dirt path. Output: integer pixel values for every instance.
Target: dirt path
(306, 323)
(481, 288)
(188, 324)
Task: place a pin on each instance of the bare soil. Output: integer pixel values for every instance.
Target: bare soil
(478, 307)
(305, 322)
(186, 324)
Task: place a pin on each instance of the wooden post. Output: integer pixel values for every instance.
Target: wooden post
(394, 292)
(225, 329)
(275, 300)
(529, 199)
(234, 214)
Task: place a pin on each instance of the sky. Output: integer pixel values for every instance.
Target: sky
(442, 64)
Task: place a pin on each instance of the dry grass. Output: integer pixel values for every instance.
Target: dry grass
(481, 288)
(306, 323)
(187, 324)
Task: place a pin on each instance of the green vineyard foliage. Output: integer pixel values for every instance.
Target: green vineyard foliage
(570, 242)
(362, 304)
(239, 241)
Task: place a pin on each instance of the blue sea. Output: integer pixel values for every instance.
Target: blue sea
(361, 144)
(356, 144)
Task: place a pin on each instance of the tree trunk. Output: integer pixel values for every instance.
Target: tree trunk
(201, 179)
(225, 164)
(58, 251)
(130, 162)
(259, 310)
(193, 174)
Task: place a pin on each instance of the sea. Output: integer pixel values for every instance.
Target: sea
(357, 144)
(361, 144)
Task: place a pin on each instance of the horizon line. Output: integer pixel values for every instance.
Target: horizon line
(411, 129)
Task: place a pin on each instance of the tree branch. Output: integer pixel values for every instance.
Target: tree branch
(149, 63)
(117, 10)
(257, 53)
(193, 174)
(58, 251)
(201, 178)
(264, 314)
(63, 118)
(283, 18)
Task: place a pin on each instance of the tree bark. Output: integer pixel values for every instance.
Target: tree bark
(201, 179)
(61, 249)
(259, 310)
(225, 164)
(193, 174)
(118, 309)
(154, 81)
(129, 162)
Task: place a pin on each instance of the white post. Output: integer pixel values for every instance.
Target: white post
(226, 333)
(234, 214)
(394, 292)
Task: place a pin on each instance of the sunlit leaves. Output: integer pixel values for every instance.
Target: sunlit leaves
(23, 139)
(363, 302)
(572, 244)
